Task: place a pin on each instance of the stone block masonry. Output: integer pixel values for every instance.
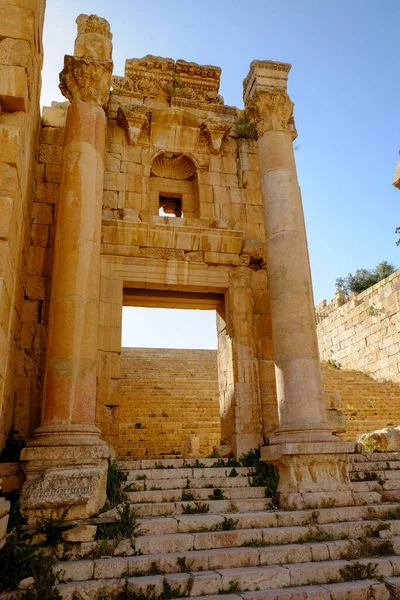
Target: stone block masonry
(164, 396)
(363, 333)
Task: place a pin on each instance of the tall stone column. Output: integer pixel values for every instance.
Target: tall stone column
(66, 460)
(310, 459)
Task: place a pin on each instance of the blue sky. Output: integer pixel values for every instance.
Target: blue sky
(344, 83)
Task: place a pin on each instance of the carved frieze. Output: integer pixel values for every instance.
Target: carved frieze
(86, 79)
(133, 118)
(215, 130)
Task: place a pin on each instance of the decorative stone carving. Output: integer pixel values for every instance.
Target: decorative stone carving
(133, 118)
(216, 130)
(173, 166)
(271, 110)
(80, 488)
(86, 79)
(94, 37)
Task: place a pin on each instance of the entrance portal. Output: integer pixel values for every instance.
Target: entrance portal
(167, 391)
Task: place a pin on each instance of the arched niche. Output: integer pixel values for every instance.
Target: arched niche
(173, 186)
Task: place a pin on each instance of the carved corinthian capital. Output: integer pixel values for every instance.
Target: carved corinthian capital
(271, 110)
(86, 79)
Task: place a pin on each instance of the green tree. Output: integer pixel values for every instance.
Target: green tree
(362, 279)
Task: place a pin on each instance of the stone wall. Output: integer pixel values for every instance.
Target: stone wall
(165, 396)
(363, 332)
(21, 55)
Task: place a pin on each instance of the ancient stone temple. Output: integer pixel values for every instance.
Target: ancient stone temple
(147, 190)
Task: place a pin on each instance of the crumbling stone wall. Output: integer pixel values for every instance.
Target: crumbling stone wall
(21, 55)
(363, 333)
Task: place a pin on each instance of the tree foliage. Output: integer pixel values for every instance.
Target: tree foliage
(364, 278)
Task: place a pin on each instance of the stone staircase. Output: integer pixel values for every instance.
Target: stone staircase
(368, 404)
(164, 396)
(242, 547)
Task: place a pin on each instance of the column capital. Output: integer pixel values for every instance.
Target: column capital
(271, 110)
(86, 79)
(265, 97)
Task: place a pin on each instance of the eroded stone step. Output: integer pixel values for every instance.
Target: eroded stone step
(185, 472)
(235, 506)
(233, 493)
(241, 580)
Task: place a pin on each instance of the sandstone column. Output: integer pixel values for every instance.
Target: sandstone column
(309, 457)
(66, 460)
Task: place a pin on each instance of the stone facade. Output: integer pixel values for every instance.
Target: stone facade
(362, 332)
(150, 191)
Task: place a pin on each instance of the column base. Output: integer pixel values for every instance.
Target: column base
(313, 474)
(64, 476)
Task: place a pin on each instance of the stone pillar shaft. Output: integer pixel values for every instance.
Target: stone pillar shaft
(300, 394)
(311, 461)
(70, 380)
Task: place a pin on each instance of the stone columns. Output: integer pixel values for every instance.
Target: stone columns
(309, 457)
(66, 460)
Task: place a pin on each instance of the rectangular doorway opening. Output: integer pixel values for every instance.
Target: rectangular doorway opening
(169, 384)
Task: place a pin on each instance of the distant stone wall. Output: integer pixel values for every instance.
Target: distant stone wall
(363, 331)
(164, 396)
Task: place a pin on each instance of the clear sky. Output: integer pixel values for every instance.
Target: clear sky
(344, 83)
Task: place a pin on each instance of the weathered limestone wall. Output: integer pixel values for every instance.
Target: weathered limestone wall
(21, 55)
(364, 333)
(165, 395)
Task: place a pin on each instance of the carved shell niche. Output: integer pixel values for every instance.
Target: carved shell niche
(173, 167)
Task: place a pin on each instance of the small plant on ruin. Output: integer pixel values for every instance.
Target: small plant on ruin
(198, 464)
(15, 519)
(257, 543)
(381, 526)
(356, 571)
(315, 534)
(233, 587)
(372, 476)
(52, 528)
(218, 463)
(333, 363)
(126, 526)
(184, 564)
(115, 478)
(246, 130)
(105, 547)
(187, 496)
(328, 503)
(233, 473)
(217, 494)
(138, 426)
(391, 515)
(228, 524)
(18, 561)
(263, 475)
(199, 508)
(232, 508)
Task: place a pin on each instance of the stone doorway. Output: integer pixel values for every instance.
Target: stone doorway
(166, 394)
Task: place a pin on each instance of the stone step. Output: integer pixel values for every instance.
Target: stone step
(171, 463)
(239, 580)
(206, 560)
(216, 506)
(187, 472)
(170, 495)
(188, 483)
(199, 540)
